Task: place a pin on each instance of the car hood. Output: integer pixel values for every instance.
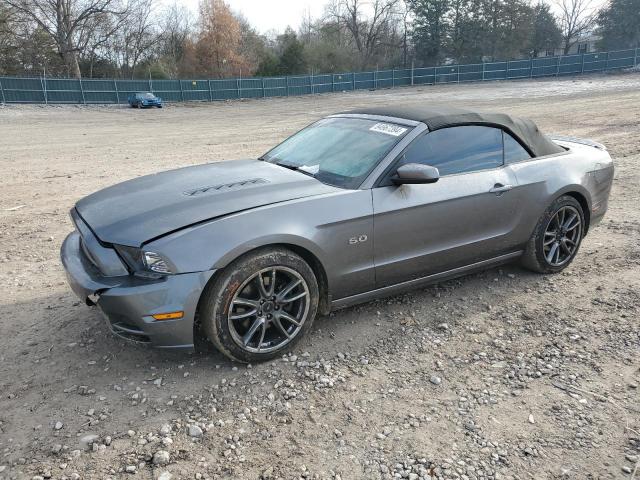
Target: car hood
(136, 211)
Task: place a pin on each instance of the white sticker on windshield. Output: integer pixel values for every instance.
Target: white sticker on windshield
(389, 129)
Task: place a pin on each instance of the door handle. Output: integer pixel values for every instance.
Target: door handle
(499, 188)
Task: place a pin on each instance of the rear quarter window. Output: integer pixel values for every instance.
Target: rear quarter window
(513, 151)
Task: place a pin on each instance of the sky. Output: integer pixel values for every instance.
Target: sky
(277, 15)
(266, 15)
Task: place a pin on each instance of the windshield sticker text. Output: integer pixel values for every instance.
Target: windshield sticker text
(388, 128)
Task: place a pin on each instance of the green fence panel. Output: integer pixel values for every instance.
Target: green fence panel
(167, 90)
(322, 83)
(275, 87)
(343, 82)
(424, 76)
(545, 66)
(365, 80)
(495, 70)
(63, 90)
(224, 89)
(23, 90)
(471, 73)
(518, 69)
(99, 91)
(66, 90)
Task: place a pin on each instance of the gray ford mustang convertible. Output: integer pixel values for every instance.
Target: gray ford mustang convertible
(358, 205)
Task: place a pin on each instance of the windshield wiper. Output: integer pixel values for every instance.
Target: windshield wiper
(295, 168)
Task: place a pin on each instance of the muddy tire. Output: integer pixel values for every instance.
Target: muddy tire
(260, 305)
(556, 238)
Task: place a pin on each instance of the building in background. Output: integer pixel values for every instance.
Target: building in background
(586, 43)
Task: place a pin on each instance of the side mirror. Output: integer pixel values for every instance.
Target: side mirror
(415, 173)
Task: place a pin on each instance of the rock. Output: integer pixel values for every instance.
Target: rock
(165, 476)
(195, 431)
(165, 429)
(58, 425)
(626, 469)
(435, 380)
(130, 469)
(131, 433)
(267, 473)
(161, 457)
(87, 441)
(531, 419)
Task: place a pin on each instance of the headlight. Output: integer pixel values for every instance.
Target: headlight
(144, 263)
(155, 262)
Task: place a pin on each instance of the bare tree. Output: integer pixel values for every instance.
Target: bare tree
(135, 36)
(67, 22)
(176, 27)
(405, 13)
(576, 18)
(367, 31)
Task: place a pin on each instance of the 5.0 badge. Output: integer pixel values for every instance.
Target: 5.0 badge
(360, 239)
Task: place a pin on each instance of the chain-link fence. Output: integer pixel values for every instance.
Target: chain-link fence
(84, 91)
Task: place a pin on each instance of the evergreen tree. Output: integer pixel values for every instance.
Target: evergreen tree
(620, 25)
(430, 29)
(545, 34)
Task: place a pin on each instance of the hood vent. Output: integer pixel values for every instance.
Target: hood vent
(225, 187)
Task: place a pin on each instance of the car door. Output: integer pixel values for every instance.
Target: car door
(464, 217)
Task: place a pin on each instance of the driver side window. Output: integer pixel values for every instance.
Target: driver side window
(457, 149)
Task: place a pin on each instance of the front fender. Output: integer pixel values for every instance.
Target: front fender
(323, 225)
(262, 241)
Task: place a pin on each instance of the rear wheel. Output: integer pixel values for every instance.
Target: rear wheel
(260, 305)
(557, 237)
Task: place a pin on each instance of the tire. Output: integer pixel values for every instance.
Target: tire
(234, 303)
(541, 255)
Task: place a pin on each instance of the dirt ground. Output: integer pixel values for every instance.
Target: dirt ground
(504, 374)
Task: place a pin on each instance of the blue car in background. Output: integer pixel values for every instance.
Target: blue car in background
(144, 99)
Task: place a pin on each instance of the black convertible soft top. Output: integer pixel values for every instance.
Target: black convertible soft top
(437, 117)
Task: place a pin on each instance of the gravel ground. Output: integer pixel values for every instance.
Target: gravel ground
(501, 375)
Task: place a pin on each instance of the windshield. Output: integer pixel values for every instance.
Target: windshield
(148, 96)
(338, 151)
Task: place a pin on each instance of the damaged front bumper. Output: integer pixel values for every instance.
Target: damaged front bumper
(129, 302)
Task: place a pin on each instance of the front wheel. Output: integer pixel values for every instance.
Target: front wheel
(556, 238)
(260, 305)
